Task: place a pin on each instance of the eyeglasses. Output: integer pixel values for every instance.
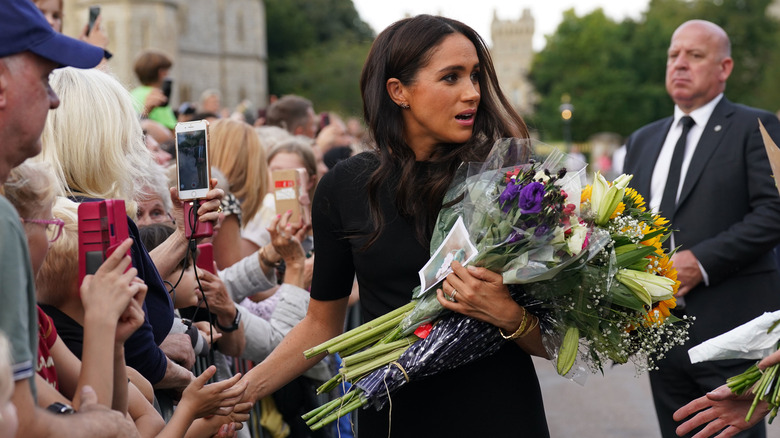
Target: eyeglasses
(53, 227)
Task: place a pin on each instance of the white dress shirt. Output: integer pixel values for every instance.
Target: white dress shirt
(701, 116)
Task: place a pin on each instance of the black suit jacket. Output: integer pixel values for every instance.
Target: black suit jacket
(728, 214)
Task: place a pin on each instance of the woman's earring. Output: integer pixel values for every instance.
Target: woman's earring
(404, 105)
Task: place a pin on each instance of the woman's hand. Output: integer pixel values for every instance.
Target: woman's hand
(209, 206)
(480, 294)
(133, 316)
(109, 293)
(217, 296)
(286, 240)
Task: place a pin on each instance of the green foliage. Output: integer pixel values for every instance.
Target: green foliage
(614, 72)
(316, 49)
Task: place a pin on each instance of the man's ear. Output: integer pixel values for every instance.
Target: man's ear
(396, 90)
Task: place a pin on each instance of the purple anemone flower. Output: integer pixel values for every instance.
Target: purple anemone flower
(530, 200)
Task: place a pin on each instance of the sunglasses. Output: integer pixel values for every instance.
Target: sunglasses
(53, 227)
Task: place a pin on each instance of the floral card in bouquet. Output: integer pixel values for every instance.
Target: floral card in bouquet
(456, 246)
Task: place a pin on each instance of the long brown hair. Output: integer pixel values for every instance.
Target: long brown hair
(400, 51)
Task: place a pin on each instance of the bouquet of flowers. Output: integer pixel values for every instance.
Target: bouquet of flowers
(615, 303)
(525, 222)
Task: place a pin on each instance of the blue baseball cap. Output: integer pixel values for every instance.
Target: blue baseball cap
(24, 28)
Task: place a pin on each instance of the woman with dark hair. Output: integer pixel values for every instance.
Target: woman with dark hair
(431, 101)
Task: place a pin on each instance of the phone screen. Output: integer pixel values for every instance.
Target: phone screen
(192, 159)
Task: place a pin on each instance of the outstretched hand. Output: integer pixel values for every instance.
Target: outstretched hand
(720, 409)
(218, 398)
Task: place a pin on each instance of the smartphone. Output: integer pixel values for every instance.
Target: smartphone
(290, 194)
(192, 159)
(166, 88)
(192, 227)
(94, 12)
(205, 259)
(102, 227)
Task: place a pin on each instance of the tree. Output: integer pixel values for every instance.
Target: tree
(316, 49)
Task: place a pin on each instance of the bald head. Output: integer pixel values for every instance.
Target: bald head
(698, 64)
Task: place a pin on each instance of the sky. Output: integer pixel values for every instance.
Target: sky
(547, 14)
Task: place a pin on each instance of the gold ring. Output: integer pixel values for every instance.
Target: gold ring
(454, 292)
(219, 210)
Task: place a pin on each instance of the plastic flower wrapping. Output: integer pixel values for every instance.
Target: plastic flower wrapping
(588, 262)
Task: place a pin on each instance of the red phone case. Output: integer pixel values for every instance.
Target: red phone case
(205, 258)
(102, 226)
(202, 229)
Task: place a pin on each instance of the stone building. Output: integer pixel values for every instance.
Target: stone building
(214, 44)
(512, 53)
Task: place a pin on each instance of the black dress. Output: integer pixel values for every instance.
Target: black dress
(497, 396)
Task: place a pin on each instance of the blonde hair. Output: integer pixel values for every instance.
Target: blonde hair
(31, 189)
(235, 149)
(94, 139)
(59, 274)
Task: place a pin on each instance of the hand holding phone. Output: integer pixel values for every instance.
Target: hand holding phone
(193, 228)
(166, 88)
(290, 194)
(192, 159)
(102, 227)
(94, 12)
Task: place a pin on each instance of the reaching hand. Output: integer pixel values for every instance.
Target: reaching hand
(286, 239)
(133, 316)
(719, 409)
(217, 296)
(215, 399)
(109, 292)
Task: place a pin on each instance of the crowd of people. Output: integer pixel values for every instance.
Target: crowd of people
(149, 344)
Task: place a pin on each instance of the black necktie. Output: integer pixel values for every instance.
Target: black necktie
(669, 199)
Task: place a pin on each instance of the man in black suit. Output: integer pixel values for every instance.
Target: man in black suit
(718, 191)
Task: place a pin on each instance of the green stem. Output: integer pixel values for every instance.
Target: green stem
(330, 384)
(343, 410)
(328, 408)
(377, 350)
(373, 364)
(357, 347)
(370, 324)
(360, 337)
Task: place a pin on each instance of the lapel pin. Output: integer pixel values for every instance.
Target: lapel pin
(717, 128)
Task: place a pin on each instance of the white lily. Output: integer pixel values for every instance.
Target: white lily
(604, 198)
(649, 288)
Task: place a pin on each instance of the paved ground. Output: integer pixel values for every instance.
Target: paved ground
(616, 405)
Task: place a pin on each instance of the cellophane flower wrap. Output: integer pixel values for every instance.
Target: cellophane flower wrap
(614, 303)
(519, 214)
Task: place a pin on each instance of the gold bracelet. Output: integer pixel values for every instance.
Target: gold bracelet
(265, 261)
(531, 327)
(517, 332)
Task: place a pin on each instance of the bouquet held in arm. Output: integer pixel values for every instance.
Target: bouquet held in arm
(523, 219)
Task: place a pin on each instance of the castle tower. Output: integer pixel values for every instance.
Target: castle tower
(512, 53)
(218, 44)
